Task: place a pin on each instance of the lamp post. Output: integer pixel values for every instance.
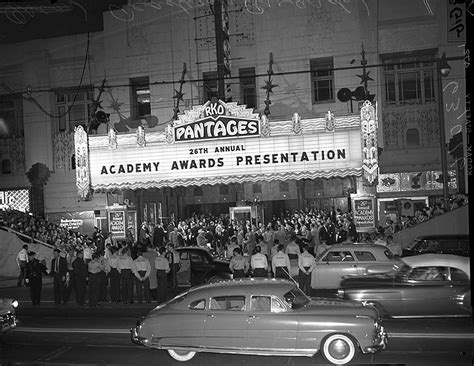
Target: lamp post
(443, 70)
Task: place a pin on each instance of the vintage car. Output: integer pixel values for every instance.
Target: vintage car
(260, 317)
(441, 244)
(350, 259)
(8, 318)
(201, 265)
(427, 285)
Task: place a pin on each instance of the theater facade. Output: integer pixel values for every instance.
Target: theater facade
(223, 158)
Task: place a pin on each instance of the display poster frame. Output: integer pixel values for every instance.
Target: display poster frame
(117, 223)
(364, 213)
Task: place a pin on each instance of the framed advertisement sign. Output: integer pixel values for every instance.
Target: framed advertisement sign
(117, 224)
(363, 209)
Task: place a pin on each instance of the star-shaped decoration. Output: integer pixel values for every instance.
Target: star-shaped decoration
(178, 95)
(269, 86)
(365, 77)
(115, 105)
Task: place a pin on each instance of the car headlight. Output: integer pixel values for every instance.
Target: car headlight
(15, 303)
(340, 293)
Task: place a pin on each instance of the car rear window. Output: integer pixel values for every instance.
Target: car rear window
(364, 256)
(458, 275)
(235, 303)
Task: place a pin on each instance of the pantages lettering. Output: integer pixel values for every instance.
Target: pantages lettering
(214, 128)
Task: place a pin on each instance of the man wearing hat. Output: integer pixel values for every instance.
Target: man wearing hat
(58, 272)
(34, 277)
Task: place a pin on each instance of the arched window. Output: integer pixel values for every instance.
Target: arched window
(413, 137)
(6, 166)
(73, 162)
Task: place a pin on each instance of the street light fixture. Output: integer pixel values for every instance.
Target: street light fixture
(443, 70)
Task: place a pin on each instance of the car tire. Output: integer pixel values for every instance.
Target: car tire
(339, 349)
(181, 355)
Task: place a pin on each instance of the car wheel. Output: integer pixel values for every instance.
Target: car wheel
(339, 349)
(181, 355)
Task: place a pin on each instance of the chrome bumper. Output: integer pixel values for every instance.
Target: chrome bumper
(380, 341)
(135, 338)
(8, 322)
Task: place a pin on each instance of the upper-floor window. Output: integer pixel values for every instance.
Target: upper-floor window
(248, 88)
(412, 137)
(73, 108)
(210, 86)
(409, 79)
(140, 105)
(11, 116)
(322, 79)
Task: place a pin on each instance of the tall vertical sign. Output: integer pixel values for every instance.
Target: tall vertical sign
(221, 21)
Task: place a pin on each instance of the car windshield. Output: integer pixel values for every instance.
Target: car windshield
(296, 298)
(401, 270)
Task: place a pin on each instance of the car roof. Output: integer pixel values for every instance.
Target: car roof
(357, 246)
(439, 260)
(264, 286)
(443, 236)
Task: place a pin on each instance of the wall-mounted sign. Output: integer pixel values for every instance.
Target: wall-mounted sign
(456, 21)
(414, 181)
(363, 209)
(216, 123)
(81, 221)
(117, 223)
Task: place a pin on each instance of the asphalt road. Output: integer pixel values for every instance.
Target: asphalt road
(70, 335)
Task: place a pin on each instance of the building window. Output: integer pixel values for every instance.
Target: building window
(210, 88)
(198, 191)
(73, 162)
(248, 88)
(284, 187)
(412, 137)
(73, 108)
(409, 79)
(6, 166)
(140, 97)
(322, 79)
(11, 116)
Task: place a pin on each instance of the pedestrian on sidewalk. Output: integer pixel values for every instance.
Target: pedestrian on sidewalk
(162, 268)
(142, 274)
(58, 272)
(80, 270)
(21, 261)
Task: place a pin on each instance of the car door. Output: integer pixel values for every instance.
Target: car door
(329, 270)
(271, 326)
(226, 323)
(428, 292)
(184, 273)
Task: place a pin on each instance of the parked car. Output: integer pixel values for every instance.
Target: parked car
(201, 265)
(350, 259)
(441, 244)
(427, 285)
(260, 317)
(8, 318)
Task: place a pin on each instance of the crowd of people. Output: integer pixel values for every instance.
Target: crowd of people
(144, 269)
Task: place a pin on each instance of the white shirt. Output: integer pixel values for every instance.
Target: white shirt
(142, 264)
(259, 260)
(22, 256)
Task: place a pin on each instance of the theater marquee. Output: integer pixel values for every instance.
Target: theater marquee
(229, 146)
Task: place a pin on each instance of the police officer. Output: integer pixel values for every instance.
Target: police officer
(306, 264)
(238, 265)
(69, 284)
(162, 268)
(114, 275)
(126, 268)
(281, 263)
(142, 280)
(94, 268)
(80, 270)
(34, 277)
(259, 263)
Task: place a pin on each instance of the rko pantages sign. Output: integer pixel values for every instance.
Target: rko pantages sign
(217, 123)
(205, 147)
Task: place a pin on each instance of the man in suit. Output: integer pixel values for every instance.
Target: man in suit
(58, 271)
